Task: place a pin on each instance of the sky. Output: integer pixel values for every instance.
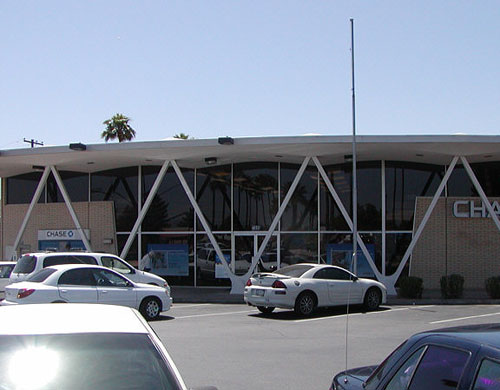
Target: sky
(211, 68)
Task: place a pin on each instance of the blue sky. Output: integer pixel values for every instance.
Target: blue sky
(213, 68)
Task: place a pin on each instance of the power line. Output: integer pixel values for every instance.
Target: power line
(33, 142)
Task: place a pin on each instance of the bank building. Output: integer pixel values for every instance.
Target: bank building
(209, 212)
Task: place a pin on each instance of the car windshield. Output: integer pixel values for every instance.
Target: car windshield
(41, 275)
(294, 271)
(380, 371)
(83, 361)
(25, 265)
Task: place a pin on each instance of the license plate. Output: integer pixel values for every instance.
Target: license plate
(258, 293)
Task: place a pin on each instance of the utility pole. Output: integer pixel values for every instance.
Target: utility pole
(33, 142)
(354, 158)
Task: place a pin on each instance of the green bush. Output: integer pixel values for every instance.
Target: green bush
(411, 287)
(493, 287)
(452, 286)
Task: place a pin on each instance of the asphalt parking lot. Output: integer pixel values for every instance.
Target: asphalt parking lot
(236, 347)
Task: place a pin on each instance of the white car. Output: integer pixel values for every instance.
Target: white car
(304, 287)
(30, 263)
(6, 268)
(82, 346)
(81, 283)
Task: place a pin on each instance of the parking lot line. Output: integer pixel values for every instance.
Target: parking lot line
(464, 318)
(215, 314)
(360, 314)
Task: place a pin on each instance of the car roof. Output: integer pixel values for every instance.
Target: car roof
(69, 266)
(64, 318)
(488, 334)
(75, 253)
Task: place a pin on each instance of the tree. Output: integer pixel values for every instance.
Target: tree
(118, 127)
(181, 136)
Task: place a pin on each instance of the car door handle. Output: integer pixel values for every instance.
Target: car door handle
(63, 291)
(104, 291)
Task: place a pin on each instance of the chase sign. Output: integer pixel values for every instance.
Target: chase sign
(471, 209)
(61, 234)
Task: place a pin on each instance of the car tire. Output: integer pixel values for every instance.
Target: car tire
(373, 299)
(150, 308)
(305, 304)
(265, 309)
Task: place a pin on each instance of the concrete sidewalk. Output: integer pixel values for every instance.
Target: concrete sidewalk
(182, 294)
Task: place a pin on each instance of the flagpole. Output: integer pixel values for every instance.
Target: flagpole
(354, 158)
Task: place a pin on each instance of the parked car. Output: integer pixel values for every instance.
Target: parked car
(82, 346)
(82, 283)
(304, 287)
(28, 264)
(465, 357)
(6, 268)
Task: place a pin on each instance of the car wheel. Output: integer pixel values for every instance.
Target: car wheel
(373, 298)
(265, 309)
(150, 308)
(305, 304)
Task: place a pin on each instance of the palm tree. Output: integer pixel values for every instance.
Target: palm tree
(118, 127)
(181, 136)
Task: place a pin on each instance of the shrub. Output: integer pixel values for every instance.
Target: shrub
(411, 287)
(452, 286)
(493, 287)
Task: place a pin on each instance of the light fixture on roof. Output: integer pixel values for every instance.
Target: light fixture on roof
(78, 146)
(348, 158)
(211, 160)
(38, 167)
(226, 141)
(419, 155)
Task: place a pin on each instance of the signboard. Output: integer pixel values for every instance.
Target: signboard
(220, 271)
(471, 209)
(166, 259)
(341, 255)
(61, 240)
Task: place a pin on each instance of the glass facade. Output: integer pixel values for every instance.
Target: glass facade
(240, 201)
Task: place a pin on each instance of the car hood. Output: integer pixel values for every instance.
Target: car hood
(353, 379)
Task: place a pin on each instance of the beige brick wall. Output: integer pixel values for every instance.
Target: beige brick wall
(98, 217)
(466, 246)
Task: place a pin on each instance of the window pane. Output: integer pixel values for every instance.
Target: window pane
(402, 378)
(170, 208)
(21, 188)
(301, 212)
(255, 195)
(439, 369)
(169, 256)
(209, 268)
(488, 377)
(487, 174)
(298, 248)
(214, 196)
(396, 246)
(76, 184)
(404, 182)
(119, 186)
(369, 196)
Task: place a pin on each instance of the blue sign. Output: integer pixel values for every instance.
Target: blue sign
(341, 255)
(166, 259)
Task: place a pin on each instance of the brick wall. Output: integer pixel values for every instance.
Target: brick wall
(98, 217)
(466, 246)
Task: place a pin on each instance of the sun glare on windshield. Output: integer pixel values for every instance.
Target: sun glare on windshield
(33, 368)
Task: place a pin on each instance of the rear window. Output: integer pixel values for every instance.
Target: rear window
(68, 259)
(41, 275)
(294, 271)
(25, 265)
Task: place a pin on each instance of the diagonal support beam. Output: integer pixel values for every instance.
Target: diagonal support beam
(277, 218)
(393, 278)
(67, 200)
(480, 191)
(145, 209)
(347, 217)
(34, 201)
(235, 280)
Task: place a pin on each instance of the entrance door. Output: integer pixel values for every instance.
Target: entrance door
(246, 247)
